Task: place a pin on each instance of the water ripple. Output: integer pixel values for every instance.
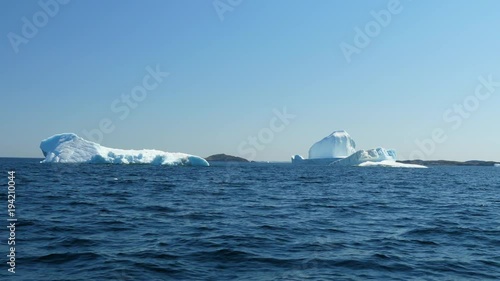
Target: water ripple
(256, 222)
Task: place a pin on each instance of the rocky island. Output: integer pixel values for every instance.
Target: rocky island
(225, 158)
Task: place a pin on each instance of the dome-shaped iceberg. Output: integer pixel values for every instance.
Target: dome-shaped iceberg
(339, 144)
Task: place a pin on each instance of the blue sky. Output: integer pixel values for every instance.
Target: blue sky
(227, 78)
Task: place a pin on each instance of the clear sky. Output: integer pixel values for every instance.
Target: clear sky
(232, 66)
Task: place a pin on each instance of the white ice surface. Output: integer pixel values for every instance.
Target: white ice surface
(339, 144)
(70, 148)
(372, 155)
(389, 163)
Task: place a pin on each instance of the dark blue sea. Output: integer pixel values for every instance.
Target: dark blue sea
(251, 221)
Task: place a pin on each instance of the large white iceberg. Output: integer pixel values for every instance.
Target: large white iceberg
(339, 149)
(70, 148)
(338, 144)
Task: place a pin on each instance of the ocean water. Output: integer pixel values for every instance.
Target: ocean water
(252, 222)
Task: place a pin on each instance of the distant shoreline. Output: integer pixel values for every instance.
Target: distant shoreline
(230, 158)
(10, 157)
(449, 163)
